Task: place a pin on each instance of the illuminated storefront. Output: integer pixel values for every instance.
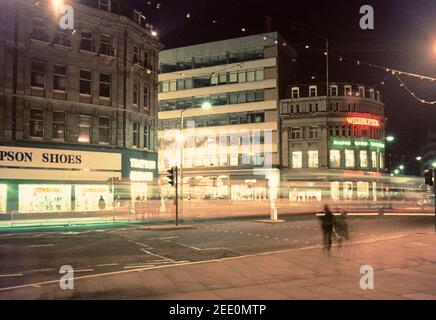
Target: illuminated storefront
(44, 198)
(87, 197)
(3, 197)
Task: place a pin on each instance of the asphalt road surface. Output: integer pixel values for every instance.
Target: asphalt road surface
(29, 259)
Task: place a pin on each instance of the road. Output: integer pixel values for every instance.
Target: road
(32, 259)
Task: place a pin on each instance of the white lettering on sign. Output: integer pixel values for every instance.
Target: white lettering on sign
(141, 176)
(143, 164)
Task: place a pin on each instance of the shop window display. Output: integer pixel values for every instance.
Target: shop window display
(3, 198)
(88, 197)
(44, 198)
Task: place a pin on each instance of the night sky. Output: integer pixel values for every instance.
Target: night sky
(403, 38)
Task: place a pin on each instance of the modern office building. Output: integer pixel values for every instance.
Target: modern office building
(78, 106)
(227, 94)
(336, 138)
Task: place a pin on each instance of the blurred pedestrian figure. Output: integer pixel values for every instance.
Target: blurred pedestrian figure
(341, 228)
(101, 204)
(327, 223)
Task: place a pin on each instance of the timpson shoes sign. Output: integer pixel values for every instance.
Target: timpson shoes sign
(58, 159)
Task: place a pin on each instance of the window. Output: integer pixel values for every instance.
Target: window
(297, 159)
(223, 78)
(105, 85)
(59, 125)
(347, 90)
(84, 129)
(382, 160)
(86, 41)
(296, 133)
(313, 159)
(233, 77)
(333, 91)
(362, 92)
(104, 5)
(312, 91)
(135, 93)
(135, 135)
(59, 77)
(135, 54)
(374, 159)
(295, 93)
(335, 158)
(242, 76)
(371, 94)
(147, 137)
(85, 82)
(146, 59)
(363, 158)
(61, 38)
(36, 123)
(313, 132)
(349, 158)
(37, 74)
(260, 75)
(104, 125)
(146, 97)
(106, 45)
(38, 30)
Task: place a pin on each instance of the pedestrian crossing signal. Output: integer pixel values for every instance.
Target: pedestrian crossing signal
(428, 175)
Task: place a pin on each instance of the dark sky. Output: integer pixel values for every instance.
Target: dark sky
(403, 38)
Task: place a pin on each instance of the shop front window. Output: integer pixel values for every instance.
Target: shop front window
(88, 198)
(335, 158)
(44, 198)
(349, 158)
(313, 159)
(3, 197)
(363, 158)
(374, 159)
(348, 190)
(362, 190)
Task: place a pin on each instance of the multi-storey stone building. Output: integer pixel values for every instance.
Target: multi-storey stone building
(231, 148)
(78, 107)
(338, 138)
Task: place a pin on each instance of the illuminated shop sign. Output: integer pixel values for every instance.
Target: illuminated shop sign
(143, 164)
(58, 159)
(360, 121)
(359, 143)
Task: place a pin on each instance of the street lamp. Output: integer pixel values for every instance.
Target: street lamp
(433, 164)
(419, 158)
(390, 139)
(396, 171)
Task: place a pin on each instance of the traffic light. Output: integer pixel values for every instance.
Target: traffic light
(428, 175)
(172, 176)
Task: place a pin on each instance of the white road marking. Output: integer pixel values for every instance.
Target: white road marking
(43, 270)
(41, 246)
(139, 266)
(166, 238)
(180, 263)
(84, 270)
(11, 275)
(200, 249)
(410, 214)
(108, 265)
(141, 244)
(156, 255)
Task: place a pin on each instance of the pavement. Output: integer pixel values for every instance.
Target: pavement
(224, 260)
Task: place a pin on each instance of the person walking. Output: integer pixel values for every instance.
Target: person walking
(101, 204)
(327, 224)
(341, 228)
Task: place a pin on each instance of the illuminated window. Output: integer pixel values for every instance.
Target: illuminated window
(59, 125)
(363, 158)
(260, 75)
(348, 191)
(382, 161)
(59, 77)
(105, 85)
(334, 190)
(242, 76)
(36, 125)
(362, 92)
(251, 76)
(233, 77)
(84, 129)
(348, 90)
(349, 158)
(37, 74)
(371, 94)
(362, 190)
(295, 93)
(312, 91)
(374, 159)
(313, 159)
(297, 159)
(335, 158)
